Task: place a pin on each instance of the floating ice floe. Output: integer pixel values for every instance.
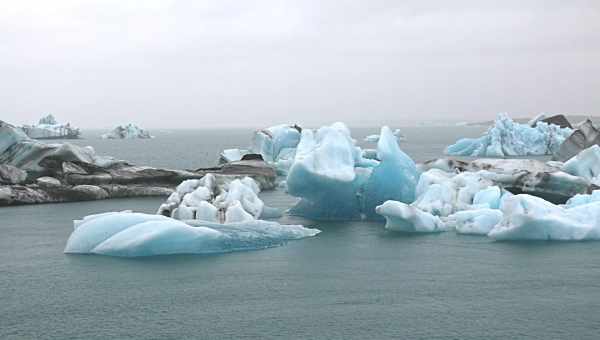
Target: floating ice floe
(406, 218)
(129, 234)
(49, 128)
(508, 138)
(375, 138)
(224, 200)
(335, 182)
(527, 217)
(129, 131)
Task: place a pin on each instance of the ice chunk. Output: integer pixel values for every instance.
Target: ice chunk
(582, 199)
(488, 197)
(271, 141)
(477, 222)
(95, 229)
(323, 175)
(442, 193)
(208, 200)
(394, 178)
(134, 234)
(336, 182)
(129, 131)
(586, 164)
(507, 138)
(403, 217)
(532, 218)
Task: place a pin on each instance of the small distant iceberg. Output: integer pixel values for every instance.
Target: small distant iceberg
(508, 138)
(375, 138)
(129, 131)
(128, 234)
(49, 128)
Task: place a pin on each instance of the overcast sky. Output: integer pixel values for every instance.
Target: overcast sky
(175, 63)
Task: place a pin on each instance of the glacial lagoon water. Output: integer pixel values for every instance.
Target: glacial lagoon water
(353, 281)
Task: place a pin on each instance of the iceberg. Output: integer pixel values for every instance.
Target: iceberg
(276, 145)
(582, 199)
(585, 164)
(129, 131)
(223, 199)
(335, 182)
(394, 178)
(528, 217)
(443, 193)
(128, 234)
(475, 222)
(406, 218)
(49, 128)
(508, 138)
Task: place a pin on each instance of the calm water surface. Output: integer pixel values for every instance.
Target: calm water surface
(353, 281)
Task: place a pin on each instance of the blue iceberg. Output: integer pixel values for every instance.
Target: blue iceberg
(508, 138)
(335, 182)
(128, 234)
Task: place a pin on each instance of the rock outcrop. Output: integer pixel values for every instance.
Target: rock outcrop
(35, 172)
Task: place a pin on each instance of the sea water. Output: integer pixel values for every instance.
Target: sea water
(353, 281)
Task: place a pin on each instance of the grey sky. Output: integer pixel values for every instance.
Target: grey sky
(252, 63)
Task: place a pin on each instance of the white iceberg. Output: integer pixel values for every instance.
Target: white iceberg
(508, 138)
(532, 218)
(49, 128)
(129, 131)
(406, 218)
(226, 200)
(129, 234)
(335, 182)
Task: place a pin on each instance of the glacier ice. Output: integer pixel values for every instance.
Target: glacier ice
(442, 193)
(129, 131)
(394, 178)
(225, 200)
(335, 182)
(128, 234)
(476, 222)
(276, 145)
(582, 199)
(406, 218)
(508, 138)
(528, 217)
(586, 164)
